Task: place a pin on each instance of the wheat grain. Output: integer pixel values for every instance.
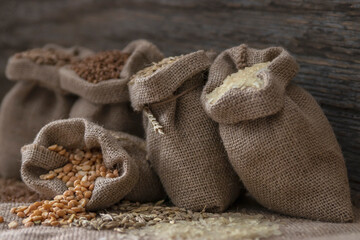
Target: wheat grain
(79, 175)
(13, 225)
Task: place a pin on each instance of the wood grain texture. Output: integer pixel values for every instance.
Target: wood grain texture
(323, 36)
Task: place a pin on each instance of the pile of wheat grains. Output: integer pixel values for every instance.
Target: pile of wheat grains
(12, 190)
(79, 175)
(101, 66)
(49, 56)
(159, 220)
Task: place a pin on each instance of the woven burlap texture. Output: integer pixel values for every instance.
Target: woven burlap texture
(107, 102)
(148, 188)
(291, 228)
(119, 151)
(278, 139)
(189, 157)
(35, 100)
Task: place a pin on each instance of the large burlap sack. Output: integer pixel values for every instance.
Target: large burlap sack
(188, 157)
(34, 101)
(278, 139)
(136, 181)
(107, 102)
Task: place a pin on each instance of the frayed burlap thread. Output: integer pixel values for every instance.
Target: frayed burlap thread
(107, 102)
(125, 153)
(189, 157)
(34, 101)
(278, 139)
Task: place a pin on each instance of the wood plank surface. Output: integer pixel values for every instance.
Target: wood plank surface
(324, 36)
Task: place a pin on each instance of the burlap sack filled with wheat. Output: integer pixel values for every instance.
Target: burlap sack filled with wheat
(107, 102)
(188, 157)
(136, 181)
(277, 137)
(34, 101)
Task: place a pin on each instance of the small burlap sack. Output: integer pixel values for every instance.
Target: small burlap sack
(34, 101)
(107, 102)
(188, 157)
(148, 188)
(136, 181)
(278, 139)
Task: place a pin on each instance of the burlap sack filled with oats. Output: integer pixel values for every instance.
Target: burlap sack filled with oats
(101, 83)
(276, 135)
(182, 142)
(34, 101)
(136, 180)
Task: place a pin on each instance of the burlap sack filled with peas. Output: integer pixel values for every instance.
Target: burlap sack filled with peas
(107, 102)
(34, 101)
(277, 137)
(136, 181)
(182, 142)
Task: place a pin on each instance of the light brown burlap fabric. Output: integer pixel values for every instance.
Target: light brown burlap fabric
(148, 188)
(107, 102)
(291, 228)
(278, 139)
(34, 101)
(119, 151)
(189, 157)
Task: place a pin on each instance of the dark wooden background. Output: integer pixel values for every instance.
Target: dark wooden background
(324, 36)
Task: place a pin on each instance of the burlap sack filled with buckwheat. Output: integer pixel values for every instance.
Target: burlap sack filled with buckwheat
(107, 102)
(182, 142)
(278, 139)
(136, 181)
(34, 101)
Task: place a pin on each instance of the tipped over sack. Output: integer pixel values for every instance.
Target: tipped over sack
(276, 135)
(35, 100)
(136, 181)
(101, 83)
(183, 144)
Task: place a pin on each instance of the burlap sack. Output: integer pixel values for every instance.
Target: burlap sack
(278, 139)
(148, 188)
(107, 102)
(189, 157)
(34, 101)
(136, 180)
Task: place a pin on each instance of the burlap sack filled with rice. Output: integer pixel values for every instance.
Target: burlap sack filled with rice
(277, 137)
(35, 100)
(101, 80)
(129, 175)
(182, 142)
